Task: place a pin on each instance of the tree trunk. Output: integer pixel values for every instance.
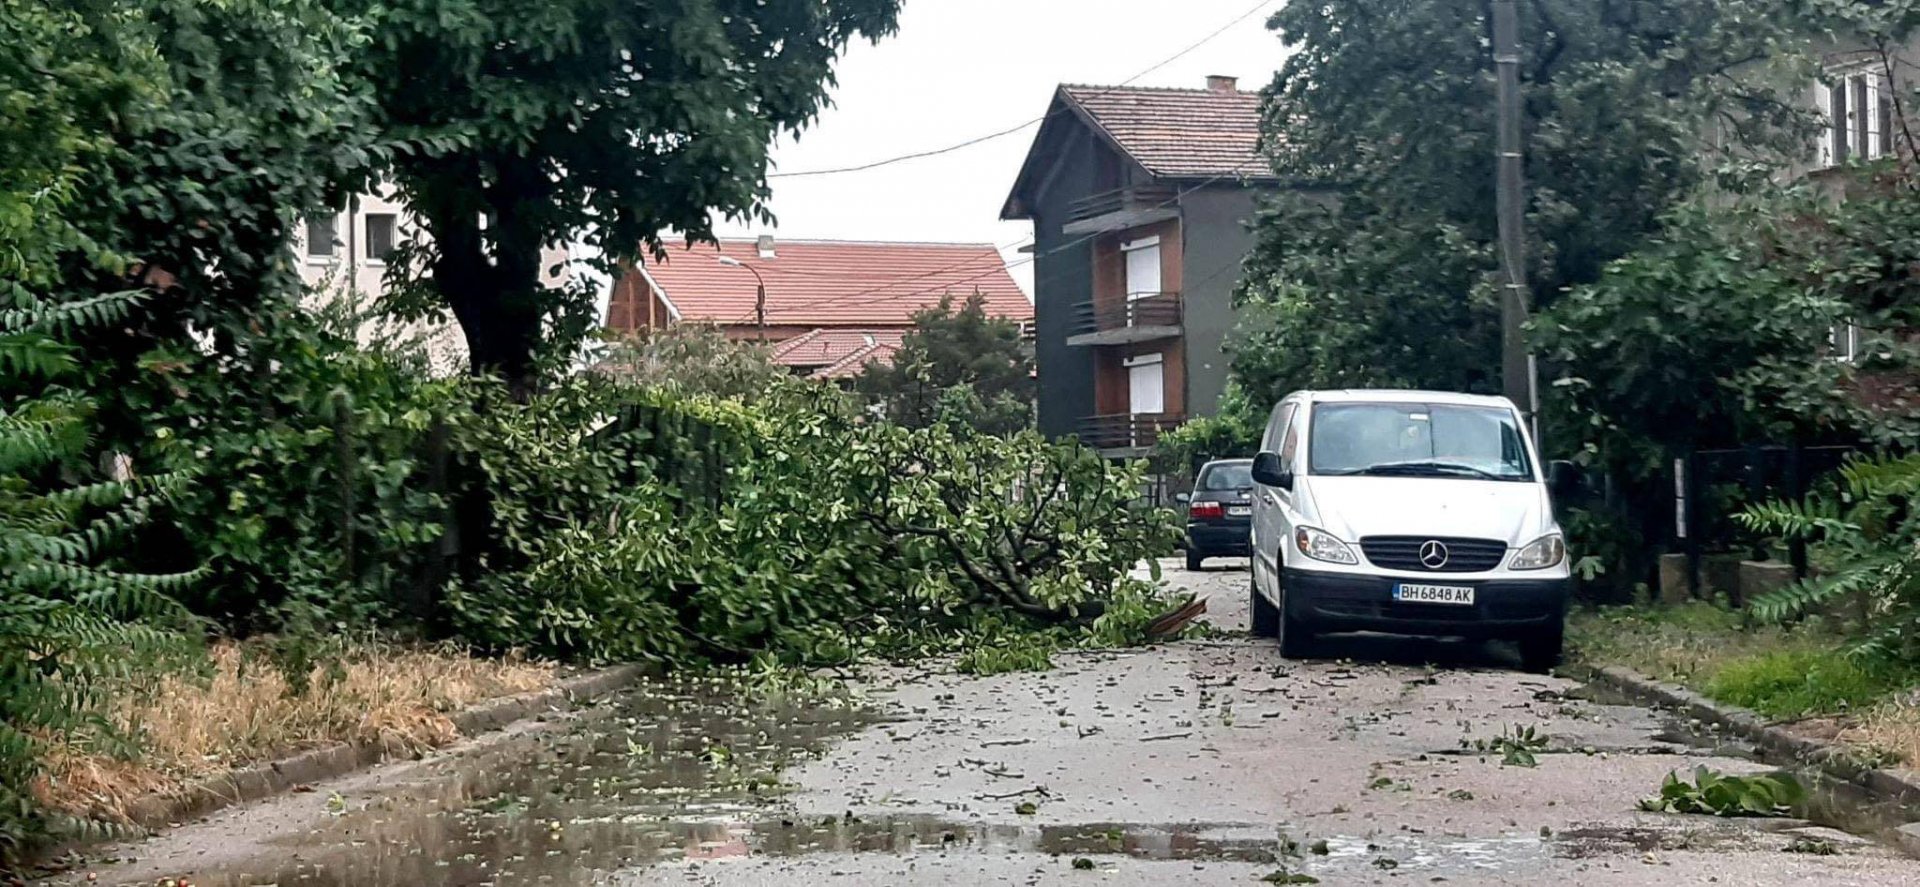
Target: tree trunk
(495, 293)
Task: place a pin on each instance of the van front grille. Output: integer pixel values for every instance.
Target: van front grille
(1461, 555)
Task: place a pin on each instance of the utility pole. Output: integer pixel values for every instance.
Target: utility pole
(1517, 372)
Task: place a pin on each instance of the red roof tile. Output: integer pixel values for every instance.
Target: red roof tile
(823, 347)
(1179, 133)
(850, 365)
(834, 283)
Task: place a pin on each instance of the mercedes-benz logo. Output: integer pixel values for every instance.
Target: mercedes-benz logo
(1433, 554)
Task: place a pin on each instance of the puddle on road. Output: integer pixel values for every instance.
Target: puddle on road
(659, 775)
(1829, 802)
(682, 772)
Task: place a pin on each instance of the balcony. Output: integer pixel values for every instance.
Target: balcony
(1126, 434)
(1142, 318)
(1122, 208)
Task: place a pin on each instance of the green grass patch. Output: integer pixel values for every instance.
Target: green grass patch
(1780, 672)
(1797, 683)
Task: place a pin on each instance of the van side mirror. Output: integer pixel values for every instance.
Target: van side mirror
(1183, 498)
(1269, 471)
(1564, 479)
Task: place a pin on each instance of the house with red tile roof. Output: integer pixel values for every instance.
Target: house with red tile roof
(1141, 201)
(826, 306)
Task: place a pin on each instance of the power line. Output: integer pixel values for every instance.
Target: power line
(1017, 263)
(947, 285)
(1024, 124)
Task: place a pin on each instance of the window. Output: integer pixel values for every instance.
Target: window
(379, 236)
(1843, 342)
(1146, 385)
(1418, 440)
(1226, 477)
(1290, 445)
(322, 237)
(1143, 267)
(1859, 113)
(1282, 414)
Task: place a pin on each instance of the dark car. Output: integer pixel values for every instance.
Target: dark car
(1219, 511)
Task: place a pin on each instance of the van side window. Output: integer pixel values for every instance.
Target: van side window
(1290, 444)
(1281, 415)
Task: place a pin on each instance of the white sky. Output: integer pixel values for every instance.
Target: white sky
(958, 69)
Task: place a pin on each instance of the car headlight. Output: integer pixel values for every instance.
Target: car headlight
(1541, 553)
(1323, 547)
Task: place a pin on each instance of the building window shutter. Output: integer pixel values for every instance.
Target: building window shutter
(1840, 120)
(1146, 386)
(1143, 267)
(1884, 120)
(1862, 114)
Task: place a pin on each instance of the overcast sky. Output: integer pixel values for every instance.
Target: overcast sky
(958, 69)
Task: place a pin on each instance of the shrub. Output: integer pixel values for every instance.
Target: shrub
(1865, 528)
(69, 622)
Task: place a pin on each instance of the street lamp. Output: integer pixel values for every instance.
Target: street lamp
(759, 293)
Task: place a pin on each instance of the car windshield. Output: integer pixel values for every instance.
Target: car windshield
(1227, 476)
(1418, 440)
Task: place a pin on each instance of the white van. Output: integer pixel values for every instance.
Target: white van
(1411, 512)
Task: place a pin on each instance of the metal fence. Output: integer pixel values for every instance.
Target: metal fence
(1711, 486)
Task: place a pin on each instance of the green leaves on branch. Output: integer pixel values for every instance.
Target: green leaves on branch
(825, 537)
(1719, 794)
(1864, 534)
(69, 622)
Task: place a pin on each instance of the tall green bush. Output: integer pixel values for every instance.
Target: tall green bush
(1866, 533)
(70, 622)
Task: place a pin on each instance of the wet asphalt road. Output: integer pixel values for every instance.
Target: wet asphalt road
(1203, 762)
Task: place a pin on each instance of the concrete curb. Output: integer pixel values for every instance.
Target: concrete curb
(264, 780)
(1836, 759)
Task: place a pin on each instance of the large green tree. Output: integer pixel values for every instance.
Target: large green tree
(1376, 268)
(523, 126)
(960, 365)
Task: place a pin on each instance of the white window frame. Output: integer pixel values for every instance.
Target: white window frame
(1864, 138)
(1843, 342)
(366, 224)
(1127, 248)
(1157, 360)
(334, 243)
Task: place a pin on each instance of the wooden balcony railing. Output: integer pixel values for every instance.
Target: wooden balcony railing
(1141, 198)
(1122, 319)
(1127, 430)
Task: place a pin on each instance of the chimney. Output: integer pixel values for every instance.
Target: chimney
(765, 245)
(1222, 83)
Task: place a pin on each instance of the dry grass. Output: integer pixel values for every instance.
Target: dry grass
(1683, 644)
(1892, 727)
(1800, 676)
(239, 711)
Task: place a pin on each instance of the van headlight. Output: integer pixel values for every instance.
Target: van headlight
(1323, 547)
(1541, 553)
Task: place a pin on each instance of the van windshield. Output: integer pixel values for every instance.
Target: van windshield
(1417, 440)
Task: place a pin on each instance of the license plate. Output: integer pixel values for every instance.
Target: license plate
(1459, 595)
(1239, 510)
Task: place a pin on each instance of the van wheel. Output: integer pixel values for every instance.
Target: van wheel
(1539, 653)
(1194, 560)
(1295, 637)
(1262, 614)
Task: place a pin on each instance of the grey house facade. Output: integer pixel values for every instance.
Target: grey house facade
(1141, 201)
